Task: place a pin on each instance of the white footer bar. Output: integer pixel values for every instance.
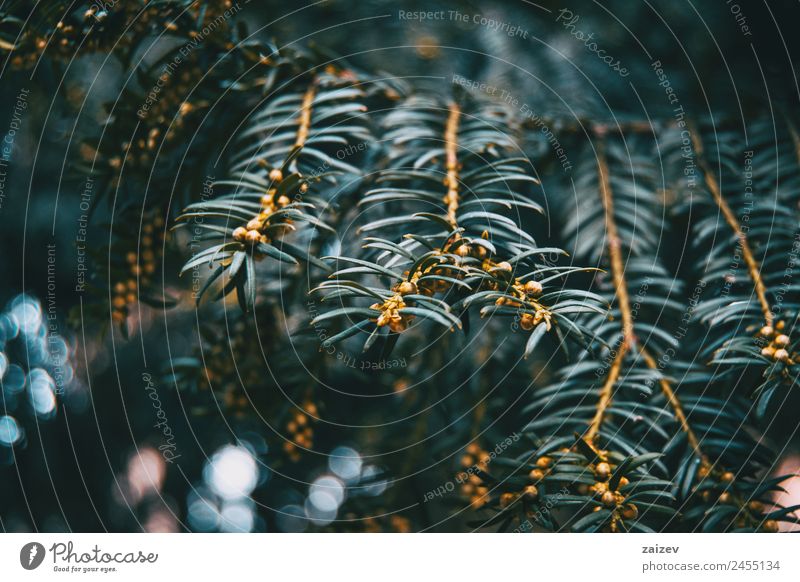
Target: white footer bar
(395, 557)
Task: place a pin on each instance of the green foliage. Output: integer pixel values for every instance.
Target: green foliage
(420, 223)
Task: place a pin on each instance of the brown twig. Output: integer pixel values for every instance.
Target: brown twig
(614, 247)
(620, 290)
(451, 162)
(304, 125)
(628, 333)
(606, 393)
(677, 408)
(753, 267)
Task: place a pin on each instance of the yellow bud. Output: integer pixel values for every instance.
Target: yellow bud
(602, 471)
(531, 493)
(240, 234)
(533, 288)
(407, 288)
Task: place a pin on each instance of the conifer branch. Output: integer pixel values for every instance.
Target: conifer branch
(628, 332)
(620, 290)
(615, 248)
(677, 407)
(753, 268)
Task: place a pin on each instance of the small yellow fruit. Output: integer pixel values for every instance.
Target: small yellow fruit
(533, 288)
(602, 471)
(526, 321)
(253, 236)
(276, 175)
(239, 234)
(768, 352)
(531, 493)
(254, 224)
(503, 266)
(781, 355)
(283, 201)
(609, 499)
(782, 340)
(630, 511)
(536, 475)
(767, 331)
(727, 477)
(407, 288)
(543, 462)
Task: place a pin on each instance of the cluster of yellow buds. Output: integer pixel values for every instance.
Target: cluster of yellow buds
(544, 466)
(252, 233)
(611, 498)
(527, 292)
(722, 492)
(141, 268)
(523, 295)
(413, 285)
(231, 366)
(530, 493)
(528, 321)
(84, 31)
(162, 122)
(777, 343)
(300, 431)
(472, 486)
(471, 250)
(390, 313)
(68, 37)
